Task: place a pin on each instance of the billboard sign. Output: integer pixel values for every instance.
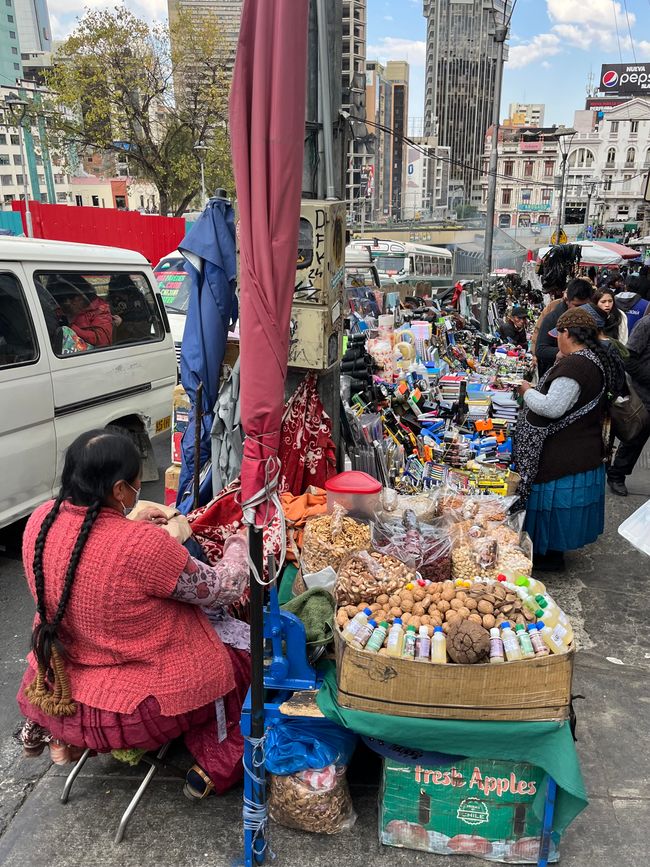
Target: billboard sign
(625, 78)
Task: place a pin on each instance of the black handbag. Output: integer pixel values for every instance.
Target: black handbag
(628, 415)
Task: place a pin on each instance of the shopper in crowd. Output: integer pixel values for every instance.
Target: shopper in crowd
(123, 656)
(638, 368)
(632, 305)
(640, 282)
(513, 328)
(578, 292)
(87, 315)
(559, 444)
(615, 322)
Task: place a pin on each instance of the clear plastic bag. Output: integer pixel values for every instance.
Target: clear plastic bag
(366, 575)
(424, 548)
(317, 801)
(329, 539)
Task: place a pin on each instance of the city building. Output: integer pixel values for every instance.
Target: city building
(226, 12)
(607, 165)
(34, 33)
(460, 74)
(427, 180)
(45, 176)
(397, 74)
(354, 102)
(525, 114)
(10, 61)
(121, 193)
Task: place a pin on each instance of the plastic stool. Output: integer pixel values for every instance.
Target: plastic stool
(153, 761)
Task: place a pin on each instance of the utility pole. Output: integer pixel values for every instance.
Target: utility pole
(500, 35)
(591, 189)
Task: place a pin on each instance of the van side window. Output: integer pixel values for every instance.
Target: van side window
(98, 310)
(17, 341)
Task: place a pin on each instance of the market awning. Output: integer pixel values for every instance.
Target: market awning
(592, 254)
(622, 250)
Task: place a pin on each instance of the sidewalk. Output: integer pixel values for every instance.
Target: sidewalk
(603, 593)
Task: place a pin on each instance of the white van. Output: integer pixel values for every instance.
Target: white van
(84, 343)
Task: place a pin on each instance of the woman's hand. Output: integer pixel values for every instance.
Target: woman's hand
(523, 388)
(153, 515)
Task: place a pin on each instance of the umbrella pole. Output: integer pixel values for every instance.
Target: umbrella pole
(198, 427)
(256, 550)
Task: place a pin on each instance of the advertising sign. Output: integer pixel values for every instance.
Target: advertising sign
(632, 78)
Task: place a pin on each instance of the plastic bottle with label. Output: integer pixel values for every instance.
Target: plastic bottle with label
(556, 618)
(363, 635)
(353, 627)
(537, 641)
(524, 641)
(408, 648)
(376, 640)
(531, 584)
(439, 646)
(497, 654)
(549, 639)
(511, 644)
(395, 638)
(423, 646)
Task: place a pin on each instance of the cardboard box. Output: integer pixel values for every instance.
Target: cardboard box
(172, 476)
(483, 807)
(532, 689)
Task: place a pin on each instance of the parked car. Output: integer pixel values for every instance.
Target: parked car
(85, 343)
(174, 283)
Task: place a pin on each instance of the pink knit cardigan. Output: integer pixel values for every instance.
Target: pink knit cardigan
(125, 638)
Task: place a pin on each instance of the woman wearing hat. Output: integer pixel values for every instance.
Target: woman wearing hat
(559, 445)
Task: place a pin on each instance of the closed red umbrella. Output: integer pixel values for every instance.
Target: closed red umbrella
(267, 122)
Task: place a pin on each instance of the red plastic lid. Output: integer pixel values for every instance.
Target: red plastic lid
(353, 482)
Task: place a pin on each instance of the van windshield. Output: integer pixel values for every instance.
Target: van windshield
(174, 283)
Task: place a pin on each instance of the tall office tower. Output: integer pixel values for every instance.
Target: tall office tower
(460, 71)
(354, 102)
(397, 73)
(10, 62)
(226, 12)
(33, 21)
(379, 114)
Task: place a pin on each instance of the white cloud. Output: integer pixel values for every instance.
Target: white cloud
(64, 14)
(393, 48)
(542, 45)
(593, 13)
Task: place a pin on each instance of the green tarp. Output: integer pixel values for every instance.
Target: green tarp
(549, 745)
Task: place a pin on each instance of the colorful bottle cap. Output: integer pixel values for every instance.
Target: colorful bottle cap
(505, 624)
(408, 628)
(367, 611)
(532, 626)
(501, 578)
(540, 624)
(539, 613)
(372, 623)
(384, 623)
(519, 627)
(437, 629)
(522, 581)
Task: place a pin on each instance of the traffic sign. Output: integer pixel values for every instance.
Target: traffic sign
(563, 237)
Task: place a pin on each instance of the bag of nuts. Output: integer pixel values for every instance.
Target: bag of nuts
(366, 575)
(425, 549)
(317, 801)
(328, 539)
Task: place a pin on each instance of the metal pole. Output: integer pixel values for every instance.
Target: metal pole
(198, 435)
(203, 198)
(256, 552)
(326, 98)
(565, 157)
(500, 35)
(23, 159)
(590, 191)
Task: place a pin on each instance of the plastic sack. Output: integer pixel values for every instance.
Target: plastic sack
(317, 801)
(394, 505)
(636, 528)
(366, 575)
(329, 539)
(298, 745)
(424, 548)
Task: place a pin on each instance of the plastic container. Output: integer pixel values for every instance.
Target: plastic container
(408, 648)
(548, 637)
(423, 646)
(376, 641)
(395, 638)
(357, 492)
(497, 654)
(357, 623)
(533, 585)
(511, 644)
(537, 641)
(363, 635)
(439, 646)
(524, 641)
(636, 528)
(554, 617)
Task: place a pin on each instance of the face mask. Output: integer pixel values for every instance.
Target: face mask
(136, 491)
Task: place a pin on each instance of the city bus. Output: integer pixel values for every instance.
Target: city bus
(418, 269)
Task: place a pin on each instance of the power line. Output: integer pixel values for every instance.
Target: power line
(618, 38)
(629, 29)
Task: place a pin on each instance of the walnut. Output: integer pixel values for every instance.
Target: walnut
(467, 642)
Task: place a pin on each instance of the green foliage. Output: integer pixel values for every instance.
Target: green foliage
(159, 90)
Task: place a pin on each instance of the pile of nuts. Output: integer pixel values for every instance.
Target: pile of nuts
(442, 604)
(466, 564)
(328, 541)
(367, 576)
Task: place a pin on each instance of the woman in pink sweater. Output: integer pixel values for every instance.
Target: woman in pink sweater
(131, 645)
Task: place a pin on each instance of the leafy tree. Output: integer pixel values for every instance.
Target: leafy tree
(154, 92)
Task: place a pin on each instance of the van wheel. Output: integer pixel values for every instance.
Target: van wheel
(134, 429)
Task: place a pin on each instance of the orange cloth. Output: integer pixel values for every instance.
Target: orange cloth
(297, 510)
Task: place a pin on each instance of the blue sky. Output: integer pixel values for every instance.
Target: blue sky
(554, 45)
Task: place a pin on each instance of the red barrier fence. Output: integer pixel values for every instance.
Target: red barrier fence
(151, 235)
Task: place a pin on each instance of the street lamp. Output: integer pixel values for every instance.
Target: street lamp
(17, 108)
(201, 149)
(564, 138)
(591, 187)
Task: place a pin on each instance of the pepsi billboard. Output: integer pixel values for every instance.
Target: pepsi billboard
(625, 78)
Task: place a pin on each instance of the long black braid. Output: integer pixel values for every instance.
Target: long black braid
(94, 463)
(612, 372)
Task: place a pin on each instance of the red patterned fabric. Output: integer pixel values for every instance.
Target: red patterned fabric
(307, 452)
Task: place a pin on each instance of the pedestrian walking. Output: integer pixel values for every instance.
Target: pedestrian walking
(615, 325)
